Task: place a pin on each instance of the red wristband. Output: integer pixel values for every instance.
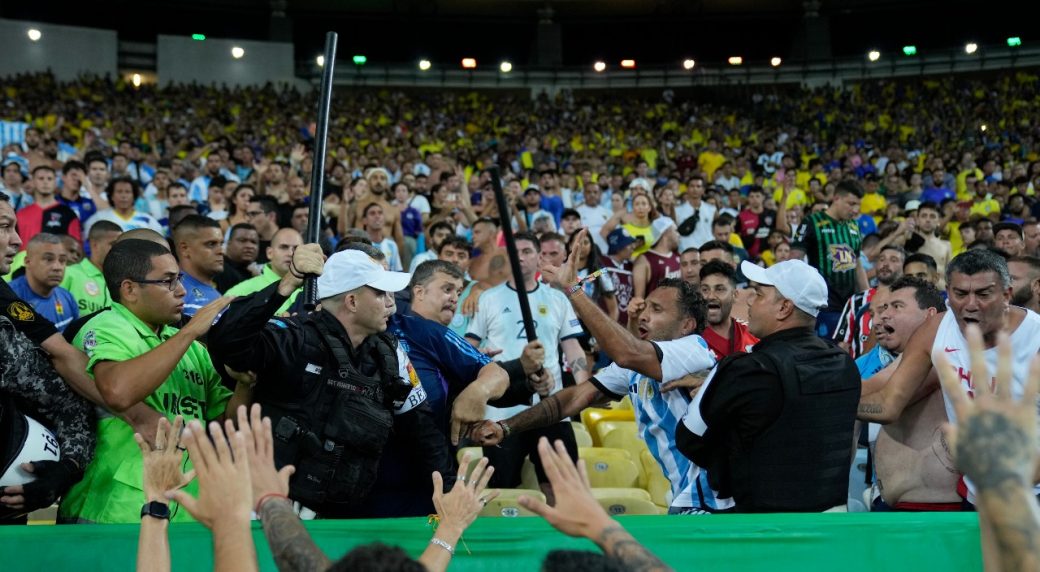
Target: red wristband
(260, 503)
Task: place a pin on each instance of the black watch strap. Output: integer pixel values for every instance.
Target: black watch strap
(156, 509)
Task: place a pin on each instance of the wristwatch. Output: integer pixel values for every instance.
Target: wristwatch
(156, 509)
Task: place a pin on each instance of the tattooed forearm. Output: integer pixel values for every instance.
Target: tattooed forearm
(1011, 511)
(870, 409)
(291, 544)
(579, 364)
(618, 544)
(545, 413)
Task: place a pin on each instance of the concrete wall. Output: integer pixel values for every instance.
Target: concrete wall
(183, 60)
(67, 51)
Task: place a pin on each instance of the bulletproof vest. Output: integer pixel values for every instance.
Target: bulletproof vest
(334, 427)
(801, 462)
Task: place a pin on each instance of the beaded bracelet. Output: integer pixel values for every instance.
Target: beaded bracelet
(444, 545)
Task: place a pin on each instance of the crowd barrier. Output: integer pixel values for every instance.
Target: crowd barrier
(855, 542)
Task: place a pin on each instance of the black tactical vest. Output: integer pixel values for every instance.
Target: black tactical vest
(337, 421)
(801, 462)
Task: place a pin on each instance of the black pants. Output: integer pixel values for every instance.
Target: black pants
(508, 457)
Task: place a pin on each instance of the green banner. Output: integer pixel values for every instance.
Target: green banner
(856, 542)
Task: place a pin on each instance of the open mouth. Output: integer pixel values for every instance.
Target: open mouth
(643, 332)
(888, 329)
(714, 306)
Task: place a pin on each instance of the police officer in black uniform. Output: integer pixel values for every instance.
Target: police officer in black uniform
(774, 427)
(333, 382)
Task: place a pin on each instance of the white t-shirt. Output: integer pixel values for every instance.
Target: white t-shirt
(499, 324)
(1025, 343)
(702, 234)
(417, 395)
(420, 258)
(658, 414)
(594, 218)
(420, 204)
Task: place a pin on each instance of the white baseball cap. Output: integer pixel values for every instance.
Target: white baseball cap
(351, 269)
(795, 280)
(641, 182)
(660, 226)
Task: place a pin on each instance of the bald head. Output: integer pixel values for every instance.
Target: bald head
(283, 244)
(144, 234)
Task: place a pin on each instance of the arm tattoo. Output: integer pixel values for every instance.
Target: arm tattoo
(871, 408)
(545, 413)
(580, 364)
(619, 545)
(497, 263)
(291, 544)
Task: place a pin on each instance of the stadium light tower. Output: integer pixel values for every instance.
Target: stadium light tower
(34, 34)
(599, 66)
(736, 60)
(909, 50)
(688, 64)
(628, 64)
(1014, 42)
(873, 55)
(237, 52)
(425, 65)
(320, 61)
(775, 62)
(469, 63)
(971, 48)
(505, 67)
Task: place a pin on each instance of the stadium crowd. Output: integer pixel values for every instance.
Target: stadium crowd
(675, 255)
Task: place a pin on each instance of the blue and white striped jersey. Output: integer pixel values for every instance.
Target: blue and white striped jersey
(657, 415)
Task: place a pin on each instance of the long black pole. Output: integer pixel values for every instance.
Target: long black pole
(514, 258)
(321, 135)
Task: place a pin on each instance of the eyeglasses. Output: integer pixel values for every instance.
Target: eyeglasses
(170, 283)
(252, 214)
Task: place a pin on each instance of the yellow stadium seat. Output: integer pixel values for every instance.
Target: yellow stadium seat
(581, 435)
(610, 467)
(619, 501)
(507, 503)
(475, 455)
(529, 477)
(656, 483)
(593, 415)
(624, 404)
(620, 435)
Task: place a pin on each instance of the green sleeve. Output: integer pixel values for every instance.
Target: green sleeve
(105, 339)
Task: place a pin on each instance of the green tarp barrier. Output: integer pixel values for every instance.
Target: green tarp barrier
(856, 542)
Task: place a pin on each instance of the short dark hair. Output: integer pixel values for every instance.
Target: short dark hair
(717, 245)
(723, 220)
(180, 212)
(239, 227)
(719, 267)
(1031, 261)
(72, 164)
(194, 222)
(896, 248)
(487, 220)
(267, 204)
(849, 187)
(979, 260)
(756, 189)
(424, 273)
(922, 258)
(129, 259)
(117, 180)
(43, 168)
(691, 303)
(550, 237)
(925, 293)
(930, 205)
(440, 224)
(529, 237)
(368, 207)
(101, 227)
(455, 241)
(377, 557)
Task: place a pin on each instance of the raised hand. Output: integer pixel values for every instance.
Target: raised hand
(162, 464)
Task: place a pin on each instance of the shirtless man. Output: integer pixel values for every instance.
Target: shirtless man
(488, 268)
(378, 187)
(914, 469)
(979, 294)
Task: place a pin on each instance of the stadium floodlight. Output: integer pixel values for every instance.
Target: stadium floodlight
(1014, 42)
(873, 55)
(469, 63)
(34, 34)
(688, 64)
(237, 52)
(505, 67)
(136, 80)
(198, 37)
(425, 65)
(736, 60)
(599, 66)
(971, 48)
(982, 127)
(909, 50)
(320, 60)
(360, 60)
(628, 64)
(775, 62)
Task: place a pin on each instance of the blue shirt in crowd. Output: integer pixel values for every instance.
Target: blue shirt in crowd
(60, 307)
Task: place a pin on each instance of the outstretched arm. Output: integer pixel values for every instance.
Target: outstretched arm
(550, 410)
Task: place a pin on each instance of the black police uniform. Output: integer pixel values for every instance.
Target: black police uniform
(779, 425)
(333, 407)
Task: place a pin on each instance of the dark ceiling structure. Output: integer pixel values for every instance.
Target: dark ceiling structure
(549, 33)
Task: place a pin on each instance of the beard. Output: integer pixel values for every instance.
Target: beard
(1022, 296)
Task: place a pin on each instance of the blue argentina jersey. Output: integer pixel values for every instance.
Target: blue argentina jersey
(60, 307)
(658, 414)
(198, 294)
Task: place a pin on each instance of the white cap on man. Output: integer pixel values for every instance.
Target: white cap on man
(795, 280)
(351, 269)
(660, 226)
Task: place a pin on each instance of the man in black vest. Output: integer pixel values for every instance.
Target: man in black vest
(774, 426)
(334, 383)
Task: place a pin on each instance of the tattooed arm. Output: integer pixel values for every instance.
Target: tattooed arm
(618, 544)
(883, 401)
(576, 360)
(550, 410)
(291, 544)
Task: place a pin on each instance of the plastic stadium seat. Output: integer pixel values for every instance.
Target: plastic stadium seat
(593, 415)
(475, 453)
(625, 403)
(610, 467)
(656, 483)
(507, 504)
(618, 501)
(581, 435)
(620, 435)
